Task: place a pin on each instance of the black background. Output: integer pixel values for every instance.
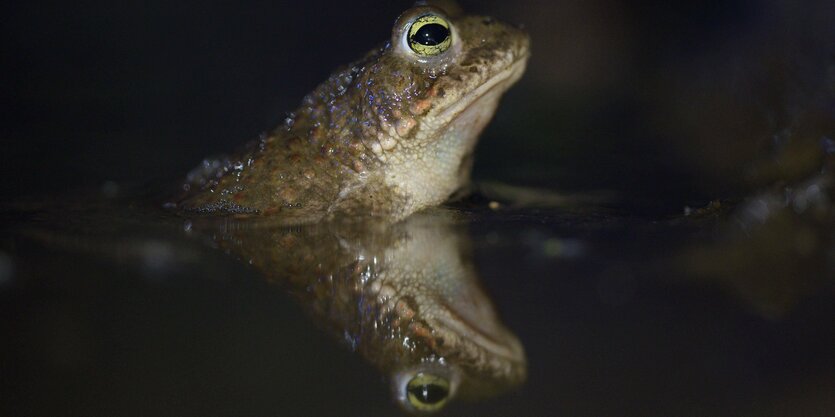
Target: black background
(659, 100)
(98, 91)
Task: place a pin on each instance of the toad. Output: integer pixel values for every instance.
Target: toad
(385, 136)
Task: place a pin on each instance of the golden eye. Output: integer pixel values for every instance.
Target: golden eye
(427, 392)
(429, 35)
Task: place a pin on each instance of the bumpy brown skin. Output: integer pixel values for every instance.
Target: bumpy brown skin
(385, 136)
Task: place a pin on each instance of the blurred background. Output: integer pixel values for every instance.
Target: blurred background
(667, 104)
(670, 101)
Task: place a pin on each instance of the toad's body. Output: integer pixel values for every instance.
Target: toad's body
(385, 136)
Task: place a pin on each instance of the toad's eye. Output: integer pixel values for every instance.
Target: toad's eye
(427, 392)
(429, 35)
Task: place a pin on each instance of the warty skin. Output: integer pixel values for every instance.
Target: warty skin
(385, 136)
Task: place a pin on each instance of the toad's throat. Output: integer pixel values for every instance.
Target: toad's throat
(438, 170)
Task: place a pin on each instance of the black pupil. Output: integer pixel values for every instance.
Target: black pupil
(429, 394)
(430, 34)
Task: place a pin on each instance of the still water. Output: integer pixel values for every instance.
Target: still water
(525, 304)
(701, 283)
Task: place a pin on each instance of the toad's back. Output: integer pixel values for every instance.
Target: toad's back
(390, 134)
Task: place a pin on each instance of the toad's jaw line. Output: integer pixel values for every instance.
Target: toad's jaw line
(507, 76)
(501, 343)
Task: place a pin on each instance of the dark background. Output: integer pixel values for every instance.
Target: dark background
(667, 102)
(618, 95)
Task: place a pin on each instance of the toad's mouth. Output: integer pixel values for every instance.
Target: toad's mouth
(470, 327)
(496, 85)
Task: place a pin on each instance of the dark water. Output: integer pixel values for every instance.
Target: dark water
(113, 309)
(699, 281)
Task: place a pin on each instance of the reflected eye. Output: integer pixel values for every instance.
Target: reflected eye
(429, 35)
(427, 392)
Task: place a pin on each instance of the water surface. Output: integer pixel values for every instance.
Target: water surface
(115, 308)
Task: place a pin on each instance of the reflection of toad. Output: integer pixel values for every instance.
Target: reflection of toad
(385, 136)
(404, 296)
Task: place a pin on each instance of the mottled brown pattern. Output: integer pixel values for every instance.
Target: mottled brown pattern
(384, 136)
